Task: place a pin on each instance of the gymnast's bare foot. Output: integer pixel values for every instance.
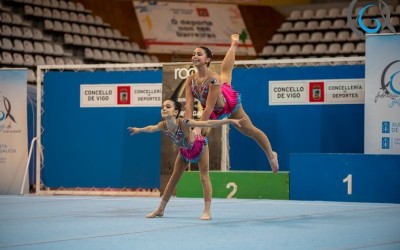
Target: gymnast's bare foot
(234, 40)
(157, 213)
(205, 216)
(274, 163)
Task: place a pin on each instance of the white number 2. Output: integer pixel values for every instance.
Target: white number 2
(233, 192)
(349, 180)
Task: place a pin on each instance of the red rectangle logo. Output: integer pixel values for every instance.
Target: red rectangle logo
(316, 92)
(124, 95)
(202, 12)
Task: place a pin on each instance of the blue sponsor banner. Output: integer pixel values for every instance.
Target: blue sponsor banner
(328, 128)
(91, 147)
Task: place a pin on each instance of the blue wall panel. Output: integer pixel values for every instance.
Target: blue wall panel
(112, 158)
(295, 128)
(374, 178)
(91, 147)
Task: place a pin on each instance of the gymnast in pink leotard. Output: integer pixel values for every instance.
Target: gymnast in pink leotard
(192, 148)
(218, 99)
(229, 98)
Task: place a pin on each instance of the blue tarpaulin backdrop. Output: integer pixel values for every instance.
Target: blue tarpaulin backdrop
(91, 147)
(295, 128)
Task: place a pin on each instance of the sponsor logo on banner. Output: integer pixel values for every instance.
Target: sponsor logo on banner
(8, 126)
(202, 12)
(336, 91)
(121, 95)
(8, 123)
(385, 143)
(180, 75)
(317, 92)
(390, 130)
(385, 127)
(390, 85)
(124, 95)
(358, 23)
(5, 110)
(183, 73)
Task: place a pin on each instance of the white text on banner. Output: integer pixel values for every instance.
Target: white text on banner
(310, 92)
(120, 95)
(180, 27)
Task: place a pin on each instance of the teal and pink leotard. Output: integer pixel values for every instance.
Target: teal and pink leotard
(228, 96)
(189, 150)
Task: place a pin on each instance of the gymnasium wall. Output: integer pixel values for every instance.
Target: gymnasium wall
(91, 147)
(321, 128)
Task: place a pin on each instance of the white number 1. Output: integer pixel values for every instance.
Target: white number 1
(349, 179)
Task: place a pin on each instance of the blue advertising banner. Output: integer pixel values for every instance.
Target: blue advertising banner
(382, 94)
(312, 127)
(91, 146)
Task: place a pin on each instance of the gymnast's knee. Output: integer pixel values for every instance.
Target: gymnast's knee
(204, 178)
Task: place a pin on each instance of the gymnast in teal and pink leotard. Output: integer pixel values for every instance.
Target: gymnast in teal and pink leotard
(218, 99)
(192, 148)
(229, 98)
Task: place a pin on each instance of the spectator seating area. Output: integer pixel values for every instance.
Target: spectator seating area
(322, 33)
(58, 32)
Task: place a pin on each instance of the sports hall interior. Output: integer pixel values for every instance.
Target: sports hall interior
(59, 32)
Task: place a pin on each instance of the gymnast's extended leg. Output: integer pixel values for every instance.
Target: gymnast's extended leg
(179, 168)
(206, 183)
